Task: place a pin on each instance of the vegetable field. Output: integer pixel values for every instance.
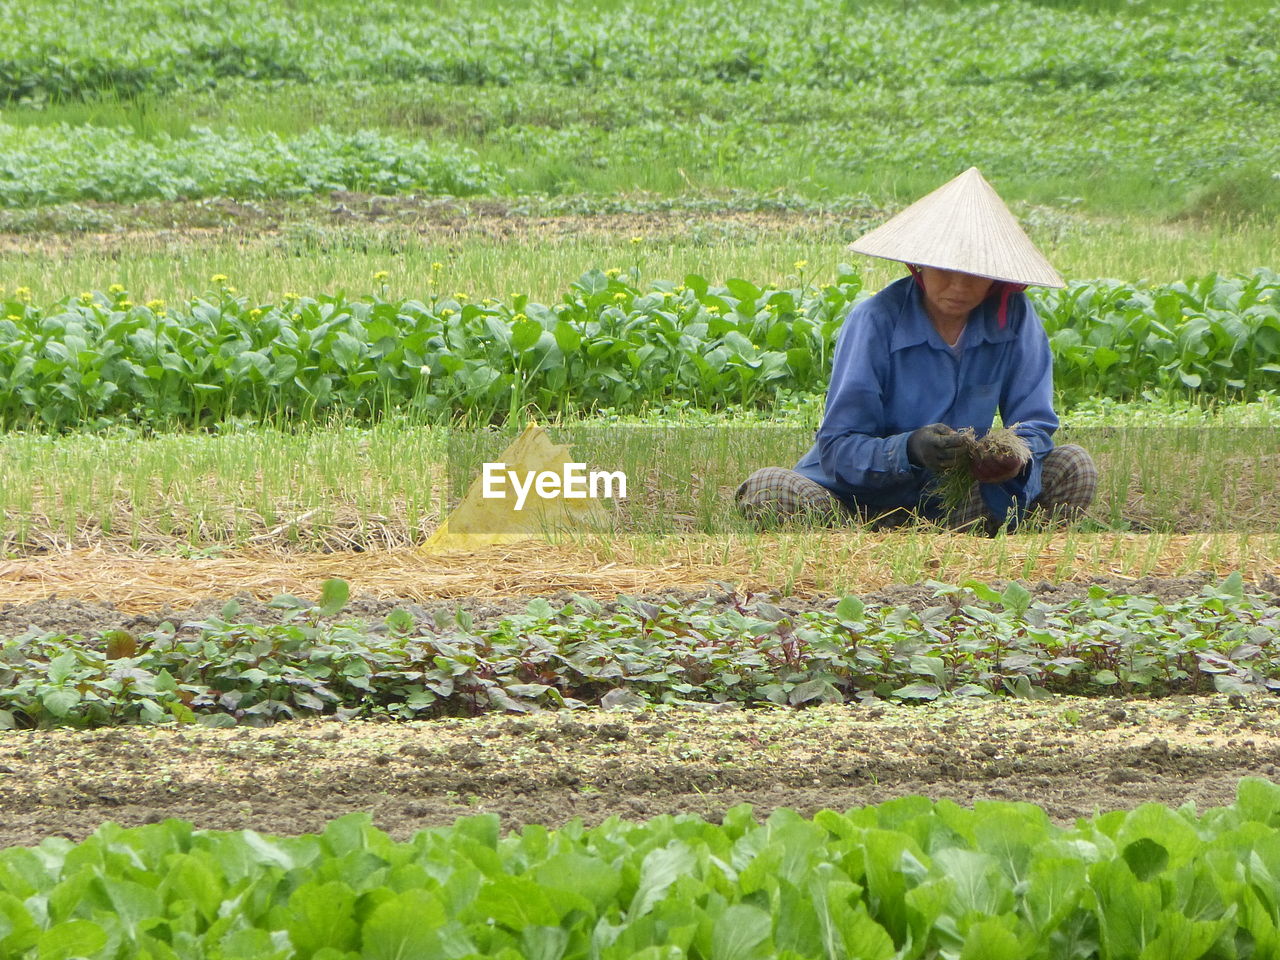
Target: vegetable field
(610, 343)
(655, 94)
(973, 642)
(274, 282)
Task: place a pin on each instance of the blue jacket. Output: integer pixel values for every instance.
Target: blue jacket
(892, 373)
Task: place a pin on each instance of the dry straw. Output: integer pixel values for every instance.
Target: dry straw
(817, 563)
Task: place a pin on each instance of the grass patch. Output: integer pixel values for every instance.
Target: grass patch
(1249, 193)
(632, 96)
(666, 136)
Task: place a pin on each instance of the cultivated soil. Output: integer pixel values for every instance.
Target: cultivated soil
(1073, 757)
(322, 222)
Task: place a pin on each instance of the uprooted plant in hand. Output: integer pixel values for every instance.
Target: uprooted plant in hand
(998, 455)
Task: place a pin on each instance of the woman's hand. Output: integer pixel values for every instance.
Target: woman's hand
(995, 469)
(935, 447)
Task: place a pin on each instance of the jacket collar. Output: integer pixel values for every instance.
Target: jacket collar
(914, 327)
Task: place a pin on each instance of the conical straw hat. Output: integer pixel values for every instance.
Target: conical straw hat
(965, 226)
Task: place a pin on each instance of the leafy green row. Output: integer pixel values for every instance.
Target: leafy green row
(102, 357)
(50, 165)
(1213, 332)
(128, 47)
(532, 137)
(907, 879)
(610, 343)
(975, 642)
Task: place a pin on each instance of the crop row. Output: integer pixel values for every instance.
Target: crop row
(534, 138)
(610, 343)
(975, 642)
(907, 879)
(54, 164)
(132, 47)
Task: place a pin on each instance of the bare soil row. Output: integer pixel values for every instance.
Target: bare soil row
(1074, 758)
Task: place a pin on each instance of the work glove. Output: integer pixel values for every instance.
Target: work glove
(935, 447)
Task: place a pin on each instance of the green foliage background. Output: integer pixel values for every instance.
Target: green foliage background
(1120, 106)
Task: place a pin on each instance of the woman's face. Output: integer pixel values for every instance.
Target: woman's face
(951, 295)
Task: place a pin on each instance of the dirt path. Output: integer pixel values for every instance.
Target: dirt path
(1072, 757)
(167, 225)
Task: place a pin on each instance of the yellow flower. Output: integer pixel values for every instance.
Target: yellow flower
(437, 267)
(612, 272)
(155, 304)
(637, 240)
(293, 296)
(255, 313)
(124, 304)
(518, 317)
(381, 275)
(681, 289)
(231, 289)
(86, 297)
(801, 264)
(115, 288)
(218, 278)
(22, 293)
(446, 312)
(460, 297)
(487, 301)
(619, 296)
(14, 316)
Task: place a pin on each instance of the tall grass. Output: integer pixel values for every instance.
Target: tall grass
(1188, 478)
(851, 560)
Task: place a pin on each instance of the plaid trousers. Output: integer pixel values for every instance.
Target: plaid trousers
(1069, 480)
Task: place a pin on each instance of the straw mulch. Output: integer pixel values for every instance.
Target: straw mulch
(136, 584)
(815, 563)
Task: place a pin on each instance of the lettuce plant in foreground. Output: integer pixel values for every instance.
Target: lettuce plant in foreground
(909, 878)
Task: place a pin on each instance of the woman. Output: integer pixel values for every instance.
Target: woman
(942, 349)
